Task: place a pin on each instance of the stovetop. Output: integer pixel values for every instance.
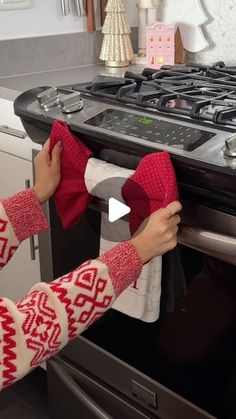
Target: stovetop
(189, 111)
(205, 93)
(140, 114)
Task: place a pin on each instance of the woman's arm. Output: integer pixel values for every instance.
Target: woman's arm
(52, 314)
(33, 329)
(21, 216)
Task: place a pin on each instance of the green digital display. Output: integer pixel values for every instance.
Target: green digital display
(145, 120)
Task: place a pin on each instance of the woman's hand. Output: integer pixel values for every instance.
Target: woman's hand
(158, 233)
(47, 171)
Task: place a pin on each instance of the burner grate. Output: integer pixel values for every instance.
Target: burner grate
(198, 91)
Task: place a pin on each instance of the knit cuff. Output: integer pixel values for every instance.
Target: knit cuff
(124, 265)
(25, 214)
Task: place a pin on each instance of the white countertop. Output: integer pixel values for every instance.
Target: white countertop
(61, 77)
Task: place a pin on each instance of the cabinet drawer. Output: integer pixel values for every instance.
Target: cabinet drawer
(9, 143)
(23, 270)
(84, 397)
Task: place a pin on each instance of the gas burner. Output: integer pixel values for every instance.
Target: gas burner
(201, 92)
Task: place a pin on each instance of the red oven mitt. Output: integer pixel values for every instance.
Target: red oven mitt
(151, 187)
(71, 197)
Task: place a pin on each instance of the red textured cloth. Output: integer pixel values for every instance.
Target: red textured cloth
(71, 197)
(151, 187)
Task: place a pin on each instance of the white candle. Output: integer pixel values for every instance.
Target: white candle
(142, 31)
(147, 16)
(151, 16)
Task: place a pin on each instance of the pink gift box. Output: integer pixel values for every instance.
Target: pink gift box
(160, 44)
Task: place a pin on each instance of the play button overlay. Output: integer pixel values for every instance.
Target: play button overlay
(116, 210)
(110, 218)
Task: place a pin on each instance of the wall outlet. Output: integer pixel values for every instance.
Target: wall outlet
(15, 4)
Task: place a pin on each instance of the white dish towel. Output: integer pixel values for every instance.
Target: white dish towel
(141, 299)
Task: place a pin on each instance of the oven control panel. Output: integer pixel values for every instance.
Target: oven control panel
(151, 129)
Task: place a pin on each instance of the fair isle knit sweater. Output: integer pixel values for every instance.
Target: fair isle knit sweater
(53, 313)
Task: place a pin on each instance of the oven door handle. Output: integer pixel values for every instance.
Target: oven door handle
(220, 246)
(214, 244)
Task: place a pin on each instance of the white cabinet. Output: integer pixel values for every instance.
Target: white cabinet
(15, 4)
(21, 272)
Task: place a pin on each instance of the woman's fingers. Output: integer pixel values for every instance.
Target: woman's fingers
(173, 221)
(159, 233)
(44, 153)
(47, 171)
(46, 145)
(173, 208)
(56, 155)
(169, 211)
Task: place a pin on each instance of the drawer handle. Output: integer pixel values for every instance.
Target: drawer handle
(12, 131)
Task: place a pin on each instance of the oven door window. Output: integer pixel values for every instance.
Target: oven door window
(190, 350)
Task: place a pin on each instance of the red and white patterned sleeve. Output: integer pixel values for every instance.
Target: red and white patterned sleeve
(35, 328)
(21, 216)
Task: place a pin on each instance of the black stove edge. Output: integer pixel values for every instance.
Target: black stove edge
(39, 127)
(176, 117)
(27, 116)
(228, 203)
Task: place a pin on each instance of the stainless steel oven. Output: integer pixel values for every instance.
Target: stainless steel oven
(183, 366)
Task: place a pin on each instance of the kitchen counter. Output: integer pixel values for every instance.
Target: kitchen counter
(8, 94)
(61, 77)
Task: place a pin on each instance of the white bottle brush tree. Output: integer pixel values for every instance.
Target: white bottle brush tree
(116, 48)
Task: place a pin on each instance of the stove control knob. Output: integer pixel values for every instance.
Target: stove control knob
(72, 103)
(230, 146)
(49, 98)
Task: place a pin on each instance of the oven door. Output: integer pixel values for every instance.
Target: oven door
(183, 366)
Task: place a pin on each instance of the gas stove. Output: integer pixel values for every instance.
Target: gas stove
(184, 365)
(200, 92)
(189, 111)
